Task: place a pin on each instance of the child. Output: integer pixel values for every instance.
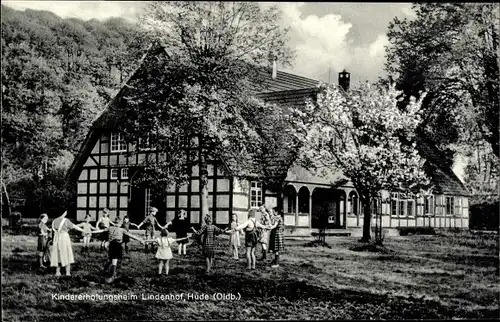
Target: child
(265, 220)
(87, 232)
(150, 223)
(209, 232)
(250, 227)
(103, 224)
(277, 237)
(126, 225)
(164, 253)
(43, 234)
(234, 241)
(115, 250)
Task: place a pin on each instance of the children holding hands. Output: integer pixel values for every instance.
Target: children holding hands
(43, 235)
(115, 252)
(164, 252)
(209, 231)
(87, 232)
(251, 238)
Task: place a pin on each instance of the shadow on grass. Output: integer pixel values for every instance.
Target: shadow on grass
(317, 243)
(371, 247)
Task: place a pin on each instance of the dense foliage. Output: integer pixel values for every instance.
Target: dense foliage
(452, 51)
(57, 75)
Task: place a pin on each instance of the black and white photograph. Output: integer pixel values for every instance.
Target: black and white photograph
(236, 161)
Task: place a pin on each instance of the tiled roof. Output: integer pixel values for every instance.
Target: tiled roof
(284, 82)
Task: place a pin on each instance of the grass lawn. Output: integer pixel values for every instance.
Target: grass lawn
(420, 277)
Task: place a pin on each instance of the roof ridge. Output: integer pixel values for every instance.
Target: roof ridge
(296, 75)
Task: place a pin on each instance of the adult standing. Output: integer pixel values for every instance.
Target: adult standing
(250, 226)
(276, 243)
(181, 227)
(149, 224)
(62, 252)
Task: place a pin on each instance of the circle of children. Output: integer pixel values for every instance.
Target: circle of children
(54, 244)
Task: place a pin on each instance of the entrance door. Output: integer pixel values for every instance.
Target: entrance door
(158, 200)
(325, 209)
(137, 205)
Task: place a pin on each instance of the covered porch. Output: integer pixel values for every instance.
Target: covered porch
(312, 206)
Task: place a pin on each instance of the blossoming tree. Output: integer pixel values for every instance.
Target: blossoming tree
(363, 134)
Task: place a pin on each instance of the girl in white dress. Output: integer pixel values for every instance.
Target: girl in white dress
(164, 253)
(234, 241)
(62, 252)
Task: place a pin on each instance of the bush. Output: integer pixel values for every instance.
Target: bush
(484, 216)
(52, 195)
(405, 231)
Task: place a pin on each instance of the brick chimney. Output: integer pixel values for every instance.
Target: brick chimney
(344, 80)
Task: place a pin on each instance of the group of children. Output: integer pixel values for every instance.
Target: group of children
(115, 236)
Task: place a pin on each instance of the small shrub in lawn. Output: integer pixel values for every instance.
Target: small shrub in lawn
(405, 231)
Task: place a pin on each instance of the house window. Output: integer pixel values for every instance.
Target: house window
(376, 206)
(147, 201)
(255, 194)
(401, 208)
(409, 208)
(145, 143)
(114, 174)
(394, 204)
(429, 205)
(124, 173)
(450, 205)
(118, 143)
(458, 206)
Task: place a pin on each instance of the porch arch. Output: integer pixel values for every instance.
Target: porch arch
(290, 199)
(304, 199)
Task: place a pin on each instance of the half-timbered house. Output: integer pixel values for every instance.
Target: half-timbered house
(104, 167)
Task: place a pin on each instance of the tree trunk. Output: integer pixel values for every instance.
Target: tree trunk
(7, 202)
(366, 220)
(204, 185)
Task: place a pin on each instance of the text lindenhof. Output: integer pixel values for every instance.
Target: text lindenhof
(148, 297)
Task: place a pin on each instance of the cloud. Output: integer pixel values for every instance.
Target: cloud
(378, 46)
(324, 46)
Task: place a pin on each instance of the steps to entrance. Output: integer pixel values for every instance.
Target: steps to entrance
(341, 233)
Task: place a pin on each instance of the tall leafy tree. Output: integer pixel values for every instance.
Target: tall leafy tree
(56, 76)
(451, 50)
(199, 82)
(367, 137)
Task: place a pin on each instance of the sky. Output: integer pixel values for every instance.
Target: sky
(327, 36)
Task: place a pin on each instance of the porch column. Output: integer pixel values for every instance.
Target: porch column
(347, 208)
(296, 208)
(310, 209)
